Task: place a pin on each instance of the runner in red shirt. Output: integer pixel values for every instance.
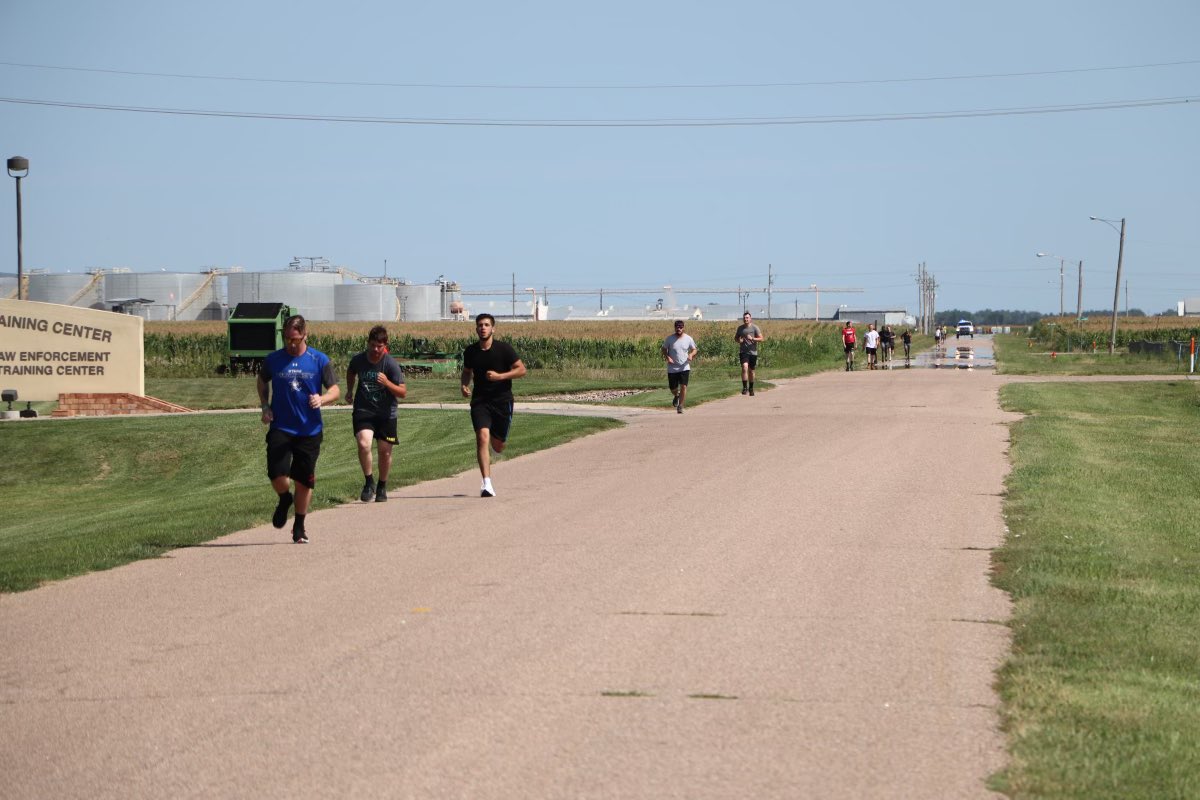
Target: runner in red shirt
(848, 340)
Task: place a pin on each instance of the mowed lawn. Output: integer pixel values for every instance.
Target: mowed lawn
(1102, 692)
(87, 494)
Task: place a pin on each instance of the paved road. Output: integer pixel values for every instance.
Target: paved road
(768, 597)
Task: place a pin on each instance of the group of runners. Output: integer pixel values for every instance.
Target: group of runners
(296, 381)
(879, 346)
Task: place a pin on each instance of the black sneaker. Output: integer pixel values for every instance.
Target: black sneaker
(744, 390)
(368, 490)
(675, 401)
(678, 409)
(299, 536)
(279, 518)
(381, 493)
(752, 393)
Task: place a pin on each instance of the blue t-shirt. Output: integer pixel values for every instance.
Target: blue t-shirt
(293, 379)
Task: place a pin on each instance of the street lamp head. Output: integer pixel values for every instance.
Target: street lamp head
(1043, 255)
(18, 164)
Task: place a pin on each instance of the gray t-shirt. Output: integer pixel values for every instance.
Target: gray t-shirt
(749, 347)
(677, 347)
(371, 399)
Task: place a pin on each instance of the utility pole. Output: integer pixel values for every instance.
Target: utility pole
(770, 281)
(1060, 286)
(1079, 297)
(514, 296)
(1112, 339)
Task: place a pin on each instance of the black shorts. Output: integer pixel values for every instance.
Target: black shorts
(750, 359)
(495, 415)
(849, 347)
(293, 456)
(870, 350)
(384, 427)
(677, 379)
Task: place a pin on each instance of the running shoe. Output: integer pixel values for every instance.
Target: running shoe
(486, 490)
(299, 536)
(381, 493)
(368, 490)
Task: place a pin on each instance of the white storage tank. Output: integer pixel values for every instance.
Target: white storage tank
(69, 289)
(366, 302)
(172, 295)
(420, 302)
(310, 293)
(8, 287)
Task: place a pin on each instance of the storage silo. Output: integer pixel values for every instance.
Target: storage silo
(69, 289)
(366, 302)
(420, 302)
(310, 293)
(172, 295)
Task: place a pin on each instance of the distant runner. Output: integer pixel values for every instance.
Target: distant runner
(748, 336)
(848, 342)
(380, 385)
(678, 349)
(492, 365)
(289, 388)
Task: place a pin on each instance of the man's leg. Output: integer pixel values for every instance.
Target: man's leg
(747, 375)
(364, 438)
(751, 371)
(385, 458)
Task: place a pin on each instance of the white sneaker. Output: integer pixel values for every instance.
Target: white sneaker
(486, 489)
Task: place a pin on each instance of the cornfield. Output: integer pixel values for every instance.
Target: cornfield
(196, 349)
(1067, 335)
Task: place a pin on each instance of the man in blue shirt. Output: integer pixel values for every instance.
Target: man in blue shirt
(290, 386)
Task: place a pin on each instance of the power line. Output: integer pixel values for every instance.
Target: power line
(620, 123)
(600, 87)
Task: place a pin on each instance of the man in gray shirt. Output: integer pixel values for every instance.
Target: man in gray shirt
(748, 336)
(380, 385)
(678, 349)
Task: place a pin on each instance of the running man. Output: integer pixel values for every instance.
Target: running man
(678, 349)
(887, 341)
(748, 336)
(848, 342)
(906, 338)
(871, 345)
(289, 388)
(380, 385)
(492, 365)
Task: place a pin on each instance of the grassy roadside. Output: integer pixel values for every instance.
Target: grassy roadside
(1014, 356)
(1100, 695)
(89, 494)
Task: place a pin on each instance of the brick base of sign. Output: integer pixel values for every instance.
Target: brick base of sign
(103, 405)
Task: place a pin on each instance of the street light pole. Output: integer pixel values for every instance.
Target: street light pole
(1112, 339)
(19, 164)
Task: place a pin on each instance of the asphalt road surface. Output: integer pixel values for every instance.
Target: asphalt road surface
(776, 596)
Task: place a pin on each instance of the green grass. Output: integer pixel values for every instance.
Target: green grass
(1101, 697)
(239, 392)
(1014, 356)
(90, 494)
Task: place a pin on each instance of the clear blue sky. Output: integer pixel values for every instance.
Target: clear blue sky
(855, 203)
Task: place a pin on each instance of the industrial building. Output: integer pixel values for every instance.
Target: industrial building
(321, 293)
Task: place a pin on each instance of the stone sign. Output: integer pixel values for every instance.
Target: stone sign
(48, 349)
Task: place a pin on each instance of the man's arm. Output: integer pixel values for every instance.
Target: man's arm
(397, 389)
(467, 374)
(351, 375)
(332, 389)
(516, 371)
(264, 397)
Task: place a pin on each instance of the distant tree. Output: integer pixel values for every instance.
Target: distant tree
(988, 316)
